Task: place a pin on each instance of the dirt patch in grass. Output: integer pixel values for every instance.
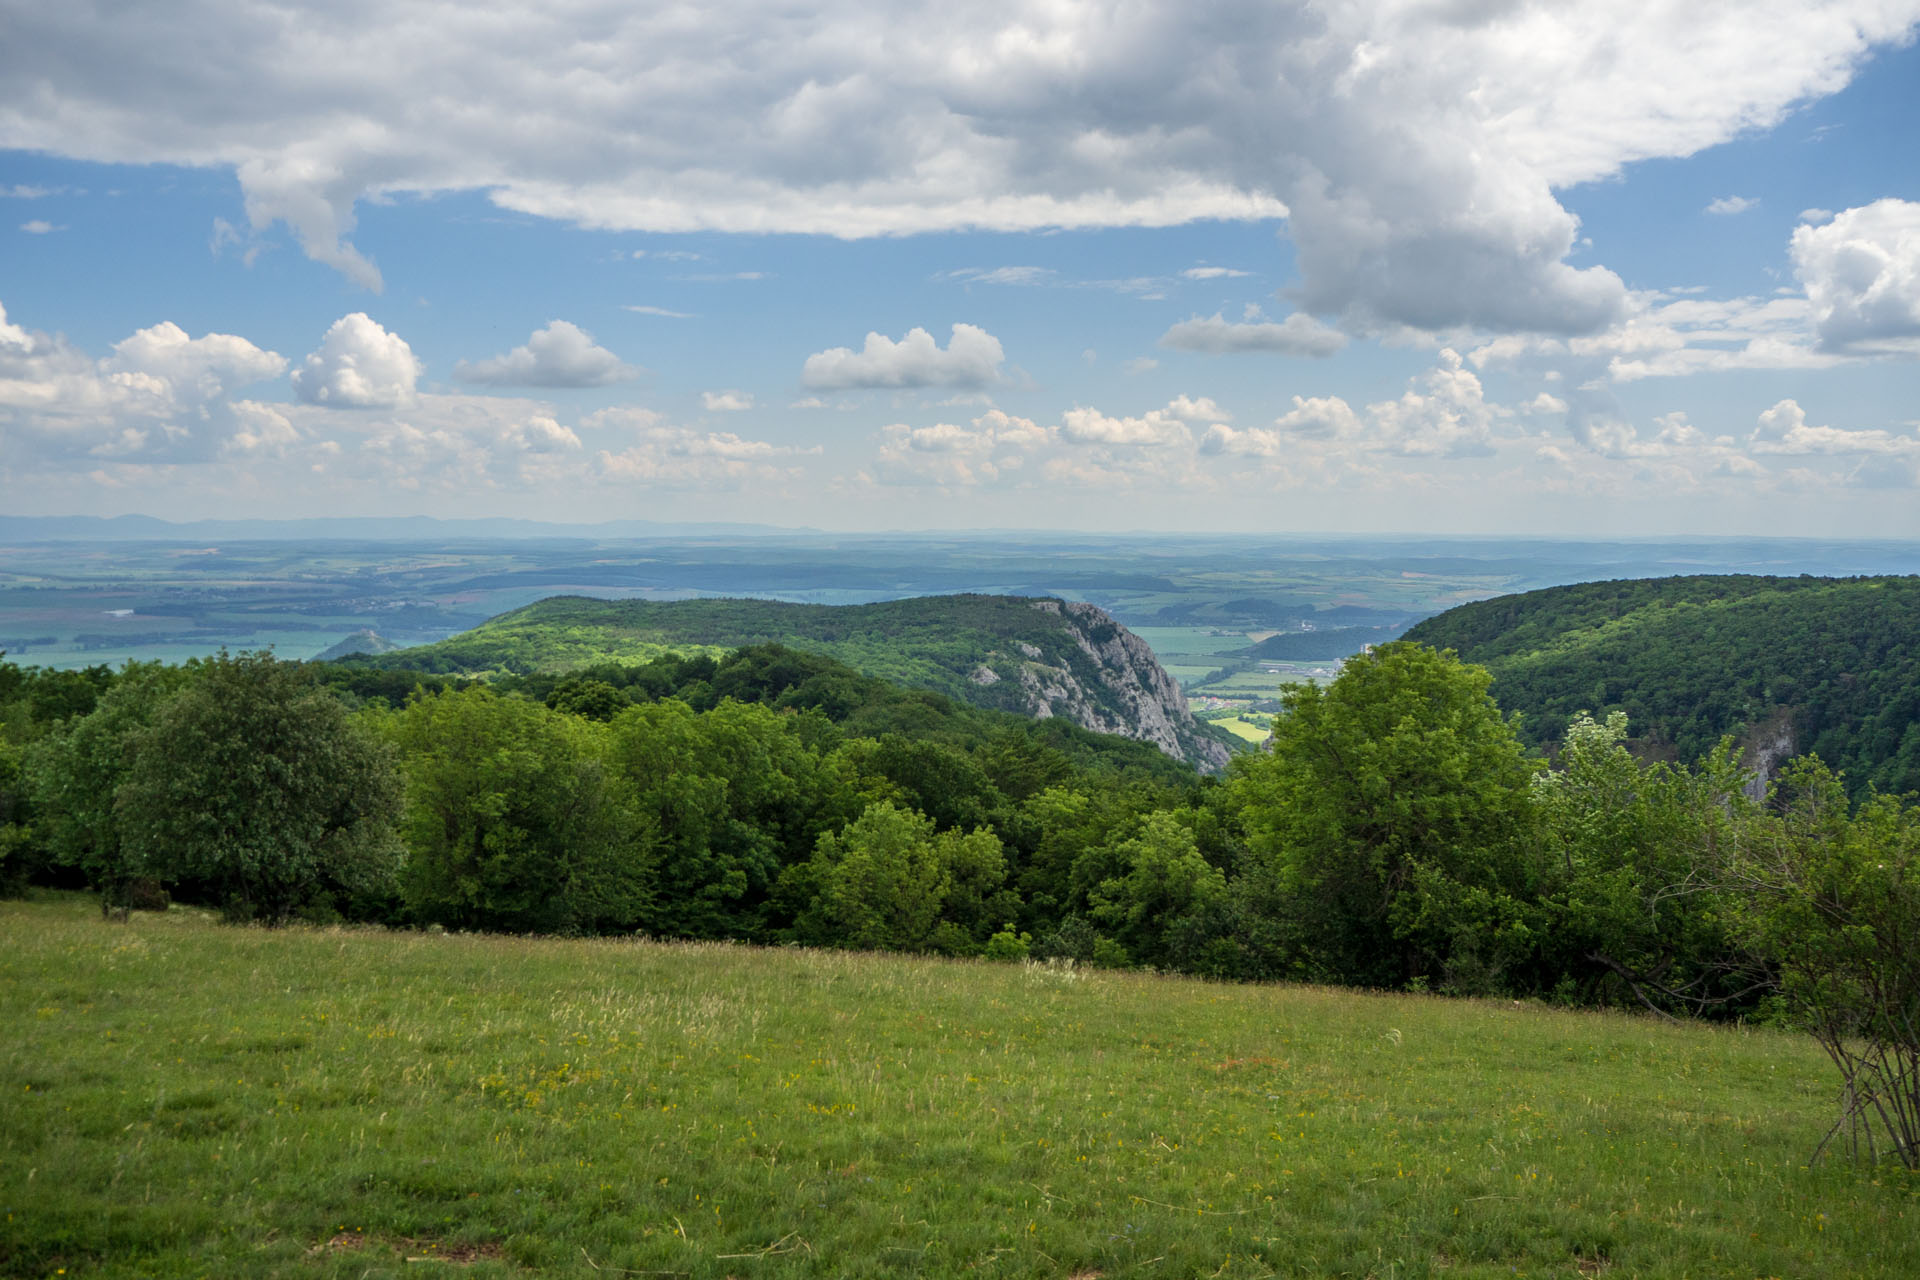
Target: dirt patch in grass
(410, 1249)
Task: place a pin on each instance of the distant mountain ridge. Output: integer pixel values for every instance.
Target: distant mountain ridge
(1829, 666)
(1040, 657)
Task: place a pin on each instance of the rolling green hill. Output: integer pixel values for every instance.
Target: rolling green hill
(1038, 657)
(1823, 665)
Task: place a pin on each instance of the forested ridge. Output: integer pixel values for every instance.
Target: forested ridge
(1000, 652)
(1690, 659)
(929, 641)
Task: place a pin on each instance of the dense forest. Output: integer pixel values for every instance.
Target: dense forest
(1690, 659)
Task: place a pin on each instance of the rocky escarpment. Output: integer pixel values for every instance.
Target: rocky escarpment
(1045, 658)
(1764, 749)
(1100, 676)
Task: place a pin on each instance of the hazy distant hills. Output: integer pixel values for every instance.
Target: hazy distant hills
(367, 642)
(348, 529)
(1823, 665)
(1329, 642)
(1039, 657)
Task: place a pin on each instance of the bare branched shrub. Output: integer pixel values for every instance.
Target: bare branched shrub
(1832, 906)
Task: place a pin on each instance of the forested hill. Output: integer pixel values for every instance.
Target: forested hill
(1037, 657)
(1831, 665)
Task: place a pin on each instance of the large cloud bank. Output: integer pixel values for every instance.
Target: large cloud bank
(1416, 145)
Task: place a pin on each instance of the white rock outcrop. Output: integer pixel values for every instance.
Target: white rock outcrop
(1118, 687)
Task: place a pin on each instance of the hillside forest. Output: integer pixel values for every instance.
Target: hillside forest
(1824, 666)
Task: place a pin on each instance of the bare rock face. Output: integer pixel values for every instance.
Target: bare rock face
(1766, 747)
(1110, 682)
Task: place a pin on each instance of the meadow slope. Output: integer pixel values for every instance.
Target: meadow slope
(179, 1097)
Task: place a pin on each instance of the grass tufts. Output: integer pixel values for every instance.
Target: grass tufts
(179, 1097)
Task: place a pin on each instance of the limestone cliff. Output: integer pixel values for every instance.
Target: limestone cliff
(1102, 677)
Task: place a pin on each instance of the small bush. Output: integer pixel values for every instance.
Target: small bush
(1008, 945)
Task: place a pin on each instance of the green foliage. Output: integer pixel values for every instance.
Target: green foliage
(75, 774)
(890, 881)
(1164, 882)
(593, 699)
(1693, 659)
(14, 834)
(1007, 945)
(513, 820)
(934, 643)
(1636, 890)
(730, 797)
(1021, 755)
(1067, 834)
(257, 784)
(371, 686)
(1830, 903)
(54, 696)
(1393, 808)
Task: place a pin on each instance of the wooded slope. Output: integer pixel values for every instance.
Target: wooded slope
(1011, 653)
(1835, 661)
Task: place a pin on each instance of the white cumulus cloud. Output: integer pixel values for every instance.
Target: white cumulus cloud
(672, 457)
(1155, 429)
(161, 395)
(971, 360)
(726, 401)
(560, 355)
(1444, 413)
(1259, 442)
(1784, 429)
(1320, 418)
(1861, 271)
(196, 369)
(358, 365)
(994, 448)
(1298, 335)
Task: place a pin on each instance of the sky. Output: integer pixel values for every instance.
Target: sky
(1424, 266)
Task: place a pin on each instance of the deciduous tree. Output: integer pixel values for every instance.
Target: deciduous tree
(253, 781)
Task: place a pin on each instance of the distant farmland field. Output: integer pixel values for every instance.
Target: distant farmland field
(183, 1098)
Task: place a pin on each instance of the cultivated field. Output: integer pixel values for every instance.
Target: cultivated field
(182, 1098)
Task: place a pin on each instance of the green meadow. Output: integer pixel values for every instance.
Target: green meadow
(180, 1097)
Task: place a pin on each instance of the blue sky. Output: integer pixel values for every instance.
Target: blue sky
(1478, 266)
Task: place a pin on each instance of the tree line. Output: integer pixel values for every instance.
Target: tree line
(1397, 834)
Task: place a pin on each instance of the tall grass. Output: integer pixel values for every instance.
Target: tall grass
(182, 1098)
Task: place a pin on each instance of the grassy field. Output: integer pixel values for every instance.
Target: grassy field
(1241, 729)
(180, 1098)
(1174, 643)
